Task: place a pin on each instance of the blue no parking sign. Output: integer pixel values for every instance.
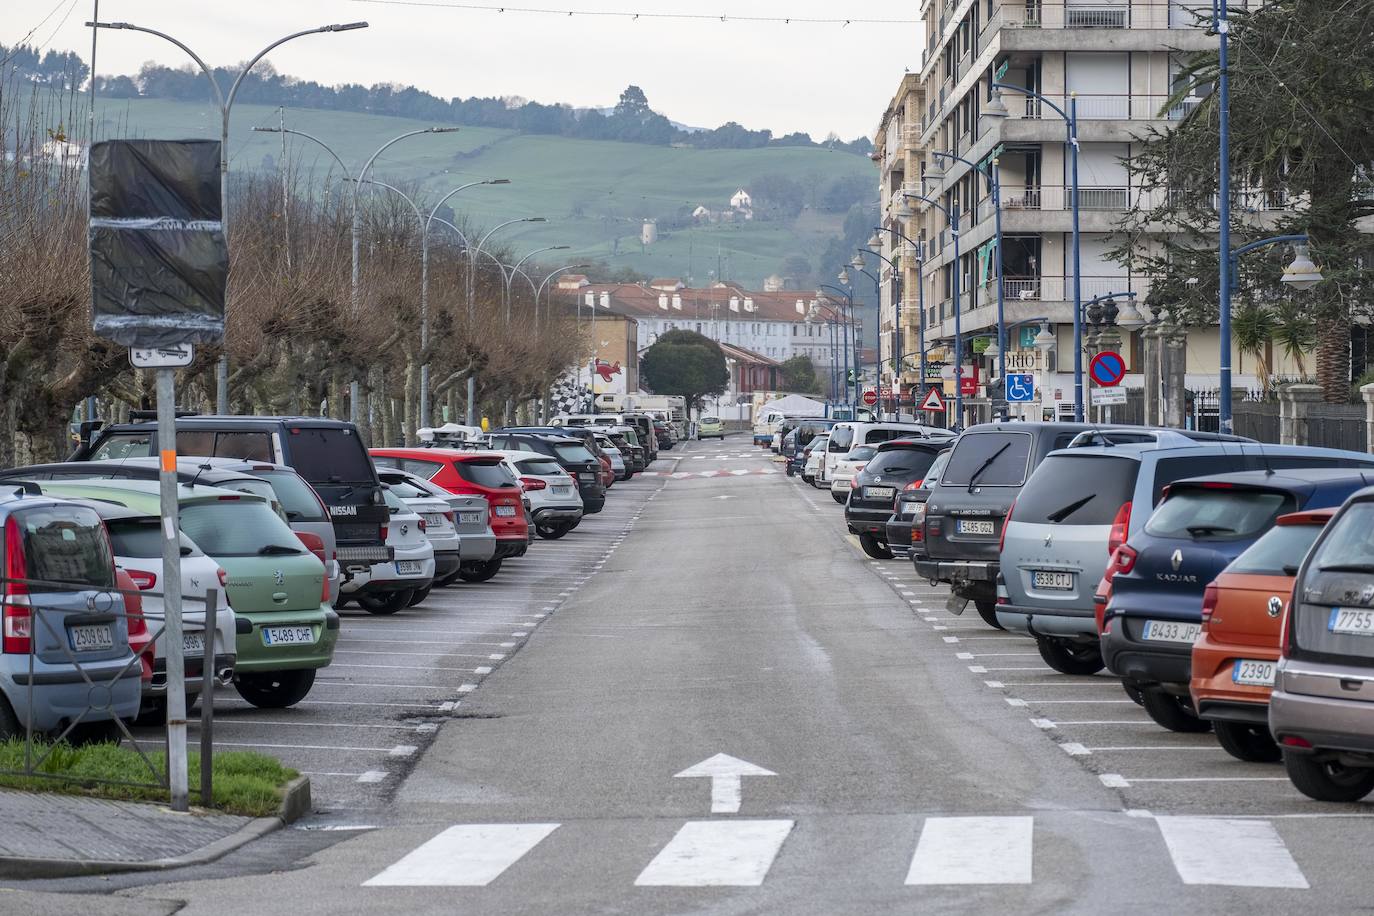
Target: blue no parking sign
(1021, 388)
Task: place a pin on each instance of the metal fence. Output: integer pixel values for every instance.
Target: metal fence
(66, 696)
(1258, 420)
(1338, 426)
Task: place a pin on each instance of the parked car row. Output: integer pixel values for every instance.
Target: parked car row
(284, 521)
(1228, 584)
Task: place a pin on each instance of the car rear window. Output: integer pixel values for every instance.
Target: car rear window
(1209, 514)
(66, 544)
(295, 496)
(485, 473)
(710, 419)
(540, 467)
(573, 453)
(404, 488)
(1077, 490)
(124, 445)
(236, 527)
(1350, 541)
(989, 459)
(329, 455)
(141, 538)
(393, 502)
(876, 436)
(1278, 552)
(862, 453)
(841, 438)
(903, 462)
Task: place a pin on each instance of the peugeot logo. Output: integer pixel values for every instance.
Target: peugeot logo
(1176, 560)
(1049, 540)
(1275, 606)
(279, 577)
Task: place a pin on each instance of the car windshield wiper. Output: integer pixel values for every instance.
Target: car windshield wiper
(272, 550)
(973, 478)
(1200, 530)
(1070, 509)
(1348, 567)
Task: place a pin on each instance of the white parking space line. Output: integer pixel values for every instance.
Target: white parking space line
(288, 747)
(973, 850)
(1232, 853)
(1216, 748)
(717, 854)
(337, 665)
(368, 686)
(1074, 702)
(468, 855)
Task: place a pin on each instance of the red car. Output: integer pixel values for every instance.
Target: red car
(472, 474)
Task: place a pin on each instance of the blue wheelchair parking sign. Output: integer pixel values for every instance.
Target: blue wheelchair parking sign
(1020, 388)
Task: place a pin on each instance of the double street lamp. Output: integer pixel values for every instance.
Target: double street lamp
(844, 317)
(919, 252)
(952, 216)
(226, 103)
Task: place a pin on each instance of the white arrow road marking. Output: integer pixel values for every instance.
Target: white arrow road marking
(1234, 853)
(725, 772)
(469, 855)
(717, 854)
(973, 850)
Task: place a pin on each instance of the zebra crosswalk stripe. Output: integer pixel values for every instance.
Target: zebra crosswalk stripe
(1234, 853)
(973, 850)
(468, 855)
(717, 854)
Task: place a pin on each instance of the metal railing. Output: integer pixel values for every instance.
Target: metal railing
(1109, 106)
(68, 636)
(1060, 289)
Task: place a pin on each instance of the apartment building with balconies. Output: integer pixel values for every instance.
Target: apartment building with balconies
(1112, 63)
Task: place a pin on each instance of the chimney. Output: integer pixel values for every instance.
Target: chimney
(591, 299)
(605, 300)
(677, 302)
(801, 307)
(748, 304)
(734, 303)
(663, 302)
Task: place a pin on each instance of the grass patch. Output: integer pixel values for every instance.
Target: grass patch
(245, 783)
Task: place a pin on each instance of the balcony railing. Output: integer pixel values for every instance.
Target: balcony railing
(1106, 107)
(1060, 289)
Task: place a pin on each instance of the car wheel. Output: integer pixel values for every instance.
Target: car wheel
(874, 547)
(275, 689)
(1171, 712)
(840, 498)
(552, 532)
(386, 602)
(419, 595)
(807, 479)
(1327, 780)
(107, 732)
(1134, 693)
(341, 602)
(988, 611)
(791, 471)
(154, 712)
(1251, 743)
(447, 580)
(9, 722)
(1068, 657)
(479, 572)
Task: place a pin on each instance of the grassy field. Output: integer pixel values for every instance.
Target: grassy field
(593, 193)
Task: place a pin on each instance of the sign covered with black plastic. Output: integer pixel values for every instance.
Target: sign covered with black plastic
(159, 263)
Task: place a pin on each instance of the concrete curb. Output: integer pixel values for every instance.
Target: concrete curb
(295, 804)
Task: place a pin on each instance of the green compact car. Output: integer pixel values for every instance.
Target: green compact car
(710, 428)
(286, 629)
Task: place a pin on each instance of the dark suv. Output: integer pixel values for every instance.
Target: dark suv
(899, 464)
(328, 454)
(966, 510)
(1160, 574)
(570, 453)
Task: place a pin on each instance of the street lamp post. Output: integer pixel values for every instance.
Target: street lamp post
(846, 314)
(473, 252)
(538, 293)
(226, 104)
(918, 250)
(952, 216)
(996, 110)
(896, 315)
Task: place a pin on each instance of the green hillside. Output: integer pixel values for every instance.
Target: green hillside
(595, 194)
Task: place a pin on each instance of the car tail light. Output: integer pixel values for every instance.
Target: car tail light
(421, 524)
(533, 483)
(384, 532)
(1121, 526)
(918, 523)
(859, 467)
(1210, 595)
(915, 485)
(142, 578)
(227, 499)
(223, 577)
(315, 544)
(1218, 486)
(1284, 628)
(451, 517)
(1123, 561)
(1006, 523)
(1295, 741)
(18, 622)
(133, 605)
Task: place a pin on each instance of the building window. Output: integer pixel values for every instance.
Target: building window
(698, 327)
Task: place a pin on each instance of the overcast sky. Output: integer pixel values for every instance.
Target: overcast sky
(815, 78)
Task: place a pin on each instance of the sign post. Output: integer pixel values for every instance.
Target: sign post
(159, 270)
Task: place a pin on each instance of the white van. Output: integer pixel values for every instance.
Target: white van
(847, 436)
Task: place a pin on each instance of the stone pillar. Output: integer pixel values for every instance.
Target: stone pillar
(1295, 406)
(1173, 366)
(1150, 345)
(1367, 392)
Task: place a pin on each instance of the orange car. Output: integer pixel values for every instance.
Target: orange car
(1235, 657)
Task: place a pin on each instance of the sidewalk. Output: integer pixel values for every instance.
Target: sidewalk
(53, 836)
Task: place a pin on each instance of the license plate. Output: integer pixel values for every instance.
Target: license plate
(433, 519)
(1059, 581)
(284, 636)
(91, 638)
(193, 644)
(505, 511)
(470, 518)
(1352, 621)
(562, 491)
(1253, 672)
(408, 567)
(592, 478)
(880, 492)
(1170, 631)
(975, 526)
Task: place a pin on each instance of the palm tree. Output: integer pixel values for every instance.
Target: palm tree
(1296, 332)
(1252, 328)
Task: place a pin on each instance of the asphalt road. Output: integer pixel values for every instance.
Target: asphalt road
(920, 762)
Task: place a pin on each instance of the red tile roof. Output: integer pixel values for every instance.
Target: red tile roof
(637, 300)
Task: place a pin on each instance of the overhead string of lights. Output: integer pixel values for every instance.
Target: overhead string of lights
(630, 15)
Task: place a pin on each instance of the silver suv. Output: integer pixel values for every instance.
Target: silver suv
(62, 621)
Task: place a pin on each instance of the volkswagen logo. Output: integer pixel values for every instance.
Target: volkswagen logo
(279, 577)
(1275, 606)
(1176, 560)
